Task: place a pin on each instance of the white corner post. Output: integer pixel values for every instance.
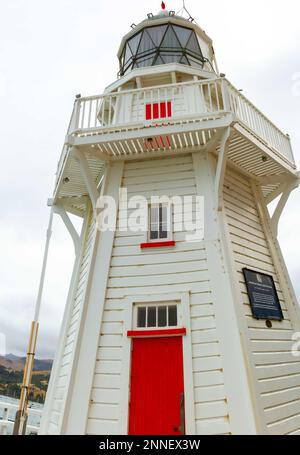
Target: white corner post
(21, 416)
(84, 361)
(221, 168)
(54, 377)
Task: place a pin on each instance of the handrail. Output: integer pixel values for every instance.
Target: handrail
(152, 87)
(128, 106)
(259, 124)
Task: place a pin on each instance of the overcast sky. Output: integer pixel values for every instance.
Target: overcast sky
(50, 51)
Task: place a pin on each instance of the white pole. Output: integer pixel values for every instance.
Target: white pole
(21, 415)
(42, 279)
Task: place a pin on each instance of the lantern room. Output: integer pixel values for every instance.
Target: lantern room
(163, 39)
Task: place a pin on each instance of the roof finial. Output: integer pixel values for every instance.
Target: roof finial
(163, 6)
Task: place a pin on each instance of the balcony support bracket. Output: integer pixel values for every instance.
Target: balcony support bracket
(59, 210)
(286, 190)
(87, 176)
(221, 167)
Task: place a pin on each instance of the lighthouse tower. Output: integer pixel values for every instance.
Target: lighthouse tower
(180, 315)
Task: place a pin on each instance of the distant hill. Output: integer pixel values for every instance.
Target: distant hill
(14, 363)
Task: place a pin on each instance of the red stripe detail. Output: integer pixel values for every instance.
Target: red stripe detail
(157, 244)
(156, 333)
(169, 109)
(155, 111)
(148, 112)
(163, 110)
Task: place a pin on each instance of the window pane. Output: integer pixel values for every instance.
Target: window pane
(184, 60)
(183, 34)
(193, 44)
(128, 54)
(153, 235)
(171, 58)
(151, 316)
(141, 317)
(159, 61)
(157, 33)
(170, 40)
(172, 313)
(134, 42)
(154, 225)
(162, 316)
(163, 214)
(145, 44)
(163, 232)
(145, 62)
(154, 214)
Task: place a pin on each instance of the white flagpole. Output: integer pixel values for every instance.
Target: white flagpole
(21, 415)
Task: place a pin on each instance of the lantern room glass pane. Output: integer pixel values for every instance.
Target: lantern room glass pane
(156, 34)
(146, 44)
(170, 39)
(134, 42)
(193, 44)
(183, 34)
(159, 61)
(184, 60)
(128, 54)
(145, 62)
(171, 58)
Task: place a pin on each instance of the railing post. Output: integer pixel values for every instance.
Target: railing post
(77, 113)
(3, 426)
(225, 95)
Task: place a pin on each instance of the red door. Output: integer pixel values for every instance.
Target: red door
(157, 388)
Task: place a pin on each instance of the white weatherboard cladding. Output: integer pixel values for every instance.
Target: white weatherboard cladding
(62, 373)
(259, 366)
(277, 371)
(158, 271)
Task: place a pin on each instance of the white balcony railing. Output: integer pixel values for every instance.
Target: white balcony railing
(7, 417)
(127, 108)
(258, 123)
(208, 99)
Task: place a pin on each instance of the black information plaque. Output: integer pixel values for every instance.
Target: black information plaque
(263, 296)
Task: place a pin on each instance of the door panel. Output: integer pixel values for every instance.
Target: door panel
(157, 387)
